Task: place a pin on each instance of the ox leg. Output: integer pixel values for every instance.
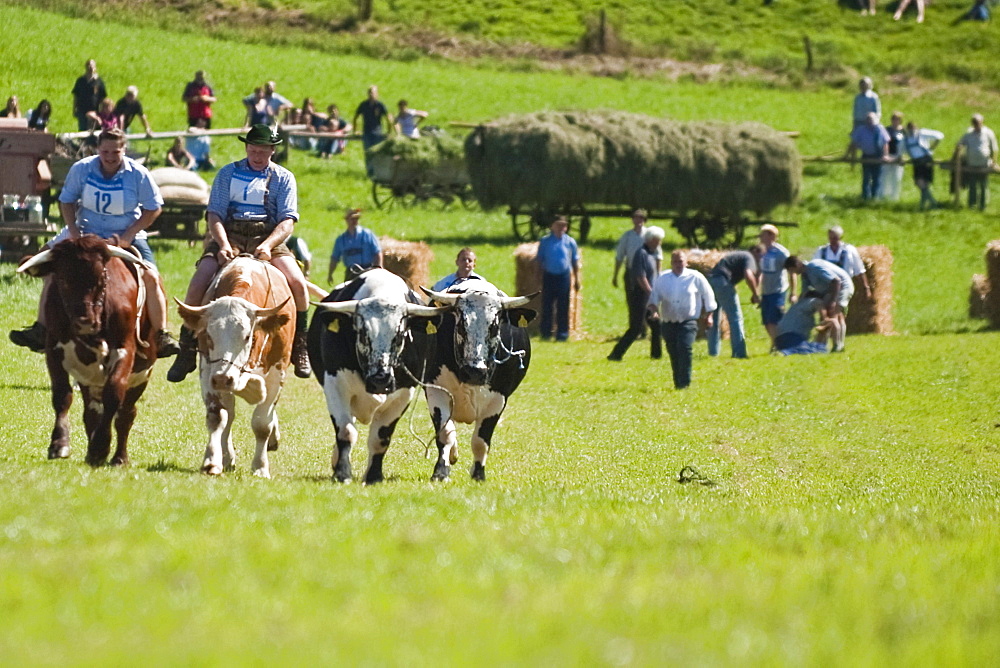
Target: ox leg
(105, 411)
(218, 420)
(123, 424)
(62, 399)
(380, 435)
(346, 437)
(481, 445)
(439, 404)
(265, 428)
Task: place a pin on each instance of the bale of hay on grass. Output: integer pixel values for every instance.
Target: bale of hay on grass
(528, 280)
(410, 260)
(991, 304)
(562, 159)
(872, 315)
(978, 293)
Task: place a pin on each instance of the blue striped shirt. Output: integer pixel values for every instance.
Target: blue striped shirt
(239, 191)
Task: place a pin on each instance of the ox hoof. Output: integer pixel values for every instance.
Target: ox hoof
(211, 469)
(342, 479)
(119, 461)
(58, 451)
(262, 473)
(374, 478)
(441, 473)
(96, 461)
(478, 472)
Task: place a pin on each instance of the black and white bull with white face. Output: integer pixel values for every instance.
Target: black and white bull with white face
(481, 356)
(368, 344)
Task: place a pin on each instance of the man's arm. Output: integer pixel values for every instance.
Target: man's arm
(614, 275)
(751, 279)
(278, 235)
(218, 232)
(377, 262)
(145, 219)
(68, 211)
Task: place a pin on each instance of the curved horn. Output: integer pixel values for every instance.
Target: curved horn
(37, 261)
(442, 297)
(424, 311)
(193, 310)
(123, 254)
(349, 306)
(517, 302)
(267, 312)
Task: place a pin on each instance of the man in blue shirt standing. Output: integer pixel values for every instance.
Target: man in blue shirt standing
(873, 142)
(357, 247)
(559, 261)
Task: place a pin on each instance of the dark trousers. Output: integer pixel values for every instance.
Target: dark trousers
(637, 300)
(555, 304)
(679, 339)
(871, 179)
(979, 190)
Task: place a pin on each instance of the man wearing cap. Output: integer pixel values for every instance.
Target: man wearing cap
(845, 256)
(465, 264)
(558, 259)
(774, 281)
(643, 272)
(358, 248)
(252, 209)
(628, 244)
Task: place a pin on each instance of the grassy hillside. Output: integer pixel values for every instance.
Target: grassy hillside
(768, 37)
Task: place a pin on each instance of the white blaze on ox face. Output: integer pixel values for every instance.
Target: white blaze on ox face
(477, 329)
(379, 327)
(229, 325)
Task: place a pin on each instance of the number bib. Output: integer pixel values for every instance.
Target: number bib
(247, 190)
(104, 197)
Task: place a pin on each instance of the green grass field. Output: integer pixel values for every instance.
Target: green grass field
(851, 519)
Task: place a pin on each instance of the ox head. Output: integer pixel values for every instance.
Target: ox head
(478, 317)
(382, 329)
(78, 268)
(226, 328)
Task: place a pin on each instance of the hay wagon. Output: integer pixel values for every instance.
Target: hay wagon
(709, 179)
(415, 171)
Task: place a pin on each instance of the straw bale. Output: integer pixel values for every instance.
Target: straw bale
(174, 176)
(704, 261)
(410, 260)
(978, 293)
(175, 194)
(528, 280)
(991, 304)
(560, 159)
(874, 315)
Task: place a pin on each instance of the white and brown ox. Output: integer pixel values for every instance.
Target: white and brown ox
(98, 334)
(368, 344)
(482, 355)
(245, 331)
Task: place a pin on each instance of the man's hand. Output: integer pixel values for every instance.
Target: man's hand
(262, 253)
(614, 281)
(708, 320)
(576, 285)
(225, 255)
(754, 299)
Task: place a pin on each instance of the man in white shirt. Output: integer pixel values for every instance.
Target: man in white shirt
(979, 145)
(845, 256)
(679, 297)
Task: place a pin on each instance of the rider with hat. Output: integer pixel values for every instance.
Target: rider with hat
(252, 210)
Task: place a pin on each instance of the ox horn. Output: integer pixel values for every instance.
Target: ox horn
(123, 254)
(268, 312)
(424, 311)
(193, 310)
(349, 306)
(35, 262)
(517, 302)
(442, 297)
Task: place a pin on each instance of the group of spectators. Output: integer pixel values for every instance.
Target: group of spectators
(980, 10)
(883, 150)
(673, 302)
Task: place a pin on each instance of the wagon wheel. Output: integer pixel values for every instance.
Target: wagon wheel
(384, 196)
(467, 197)
(527, 226)
(705, 231)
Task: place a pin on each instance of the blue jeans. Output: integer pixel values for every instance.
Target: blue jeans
(979, 190)
(145, 251)
(555, 302)
(729, 303)
(679, 337)
(871, 179)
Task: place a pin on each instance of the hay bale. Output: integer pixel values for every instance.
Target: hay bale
(978, 293)
(184, 195)
(991, 304)
(874, 315)
(410, 260)
(560, 159)
(527, 280)
(174, 176)
(704, 261)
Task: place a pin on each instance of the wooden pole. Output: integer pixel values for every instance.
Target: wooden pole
(809, 52)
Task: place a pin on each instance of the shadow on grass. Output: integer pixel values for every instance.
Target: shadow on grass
(20, 386)
(163, 466)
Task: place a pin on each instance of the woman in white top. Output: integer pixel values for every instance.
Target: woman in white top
(408, 119)
(919, 144)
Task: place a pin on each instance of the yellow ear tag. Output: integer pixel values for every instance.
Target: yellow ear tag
(523, 322)
(334, 325)
(431, 329)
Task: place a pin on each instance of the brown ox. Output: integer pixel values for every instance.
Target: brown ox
(92, 317)
(245, 332)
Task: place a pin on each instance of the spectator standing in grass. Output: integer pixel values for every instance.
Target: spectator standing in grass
(256, 107)
(873, 142)
(13, 108)
(845, 256)
(867, 7)
(678, 299)
(408, 119)
(88, 92)
(978, 149)
(775, 282)
(558, 260)
(892, 171)
(129, 108)
(866, 102)
(834, 285)
(178, 156)
(903, 4)
(358, 248)
(199, 97)
(465, 265)
(275, 102)
(728, 272)
(38, 118)
(919, 144)
(375, 118)
(625, 251)
(642, 272)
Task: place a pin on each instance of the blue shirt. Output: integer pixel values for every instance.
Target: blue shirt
(864, 104)
(818, 274)
(870, 139)
(557, 255)
(453, 279)
(109, 206)
(362, 247)
(372, 113)
(772, 270)
(239, 191)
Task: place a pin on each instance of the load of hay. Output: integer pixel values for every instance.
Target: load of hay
(433, 158)
(180, 186)
(410, 260)
(704, 261)
(872, 315)
(528, 280)
(978, 292)
(991, 304)
(560, 159)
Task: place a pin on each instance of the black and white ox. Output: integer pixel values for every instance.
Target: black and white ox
(368, 344)
(482, 355)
